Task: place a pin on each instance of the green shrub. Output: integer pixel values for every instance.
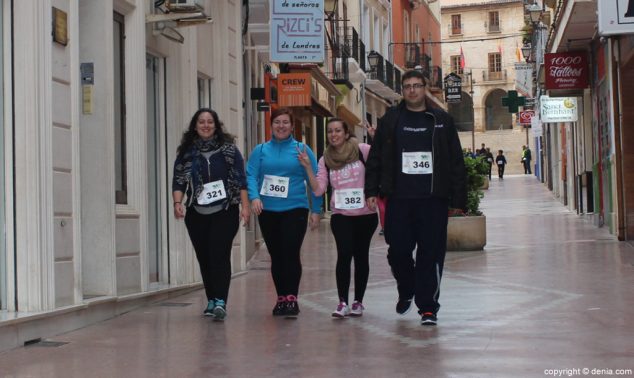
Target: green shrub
(477, 168)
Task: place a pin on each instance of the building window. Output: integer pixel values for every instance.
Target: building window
(456, 24)
(204, 92)
(121, 181)
(494, 22)
(456, 66)
(495, 66)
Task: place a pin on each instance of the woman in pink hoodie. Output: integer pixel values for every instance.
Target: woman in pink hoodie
(352, 223)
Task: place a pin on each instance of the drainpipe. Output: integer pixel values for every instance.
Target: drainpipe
(362, 86)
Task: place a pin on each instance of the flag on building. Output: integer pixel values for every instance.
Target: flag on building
(518, 52)
(462, 62)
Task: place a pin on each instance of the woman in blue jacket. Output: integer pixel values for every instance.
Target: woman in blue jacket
(277, 190)
(210, 170)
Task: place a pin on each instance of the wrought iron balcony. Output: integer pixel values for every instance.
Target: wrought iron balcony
(435, 77)
(494, 76)
(383, 77)
(346, 61)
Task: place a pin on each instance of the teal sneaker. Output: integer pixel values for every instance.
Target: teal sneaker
(220, 310)
(209, 311)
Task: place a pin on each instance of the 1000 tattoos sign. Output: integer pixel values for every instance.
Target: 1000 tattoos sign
(297, 31)
(566, 70)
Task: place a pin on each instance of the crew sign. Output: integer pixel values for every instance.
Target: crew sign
(297, 31)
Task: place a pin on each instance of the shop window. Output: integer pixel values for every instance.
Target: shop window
(121, 181)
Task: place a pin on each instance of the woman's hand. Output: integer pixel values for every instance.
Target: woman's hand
(370, 128)
(179, 210)
(245, 215)
(314, 220)
(256, 206)
(303, 158)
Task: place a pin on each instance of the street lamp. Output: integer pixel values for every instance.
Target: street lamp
(527, 49)
(373, 59)
(330, 9)
(535, 13)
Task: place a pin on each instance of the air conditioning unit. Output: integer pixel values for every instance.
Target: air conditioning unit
(185, 5)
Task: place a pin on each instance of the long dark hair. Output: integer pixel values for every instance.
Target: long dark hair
(190, 135)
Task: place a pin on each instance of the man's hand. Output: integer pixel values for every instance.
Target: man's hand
(371, 202)
(370, 128)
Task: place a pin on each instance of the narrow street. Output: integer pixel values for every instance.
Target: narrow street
(550, 292)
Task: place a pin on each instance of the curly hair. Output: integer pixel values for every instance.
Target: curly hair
(191, 134)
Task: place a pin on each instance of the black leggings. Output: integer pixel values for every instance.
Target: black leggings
(283, 234)
(212, 236)
(353, 235)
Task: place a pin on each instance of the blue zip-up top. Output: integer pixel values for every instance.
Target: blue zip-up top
(279, 158)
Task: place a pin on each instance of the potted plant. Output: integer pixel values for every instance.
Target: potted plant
(468, 232)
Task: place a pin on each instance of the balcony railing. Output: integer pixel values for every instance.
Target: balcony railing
(492, 28)
(494, 76)
(436, 77)
(346, 45)
(412, 55)
(455, 29)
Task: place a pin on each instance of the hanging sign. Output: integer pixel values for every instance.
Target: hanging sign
(293, 89)
(297, 31)
(616, 17)
(558, 109)
(567, 70)
(526, 116)
(453, 88)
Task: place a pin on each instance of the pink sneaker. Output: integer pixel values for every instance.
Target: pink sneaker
(357, 309)
(342, 310)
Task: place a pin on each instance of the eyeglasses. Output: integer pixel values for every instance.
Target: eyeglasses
(408, 87)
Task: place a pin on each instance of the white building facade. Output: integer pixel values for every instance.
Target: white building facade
(93, 110)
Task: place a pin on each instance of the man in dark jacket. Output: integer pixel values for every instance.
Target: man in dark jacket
(416, 164)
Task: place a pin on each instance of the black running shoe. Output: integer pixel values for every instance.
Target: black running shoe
(403, 306)
(428, 319)
(292, 308)
(280, 307)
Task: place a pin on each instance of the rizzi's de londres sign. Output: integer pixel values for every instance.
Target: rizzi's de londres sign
(297, 31)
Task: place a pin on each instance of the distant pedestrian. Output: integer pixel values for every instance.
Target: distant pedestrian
(277, 190)
(489, 159)
(416, 162)
(482, 151)
(343, 169)
(500, 161)
(210, 170)
(526, 159)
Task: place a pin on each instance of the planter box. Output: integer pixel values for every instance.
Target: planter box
(466, 233)
(485, 184)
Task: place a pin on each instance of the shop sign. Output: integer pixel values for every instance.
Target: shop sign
(616, 17)
(526, 116)
(297, 31)
(453, 88)
(524, 78)
(566, 70)
(536, 126)
(558, 109)
(293, 89)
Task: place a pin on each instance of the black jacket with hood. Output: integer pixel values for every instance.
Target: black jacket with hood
(449, 177)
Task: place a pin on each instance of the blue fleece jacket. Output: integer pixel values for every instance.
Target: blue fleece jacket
(279, 158)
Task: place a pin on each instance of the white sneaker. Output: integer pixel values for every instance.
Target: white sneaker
(342, 310)
(357, 309)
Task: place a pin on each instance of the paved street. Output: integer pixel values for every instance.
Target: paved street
(550, 291)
